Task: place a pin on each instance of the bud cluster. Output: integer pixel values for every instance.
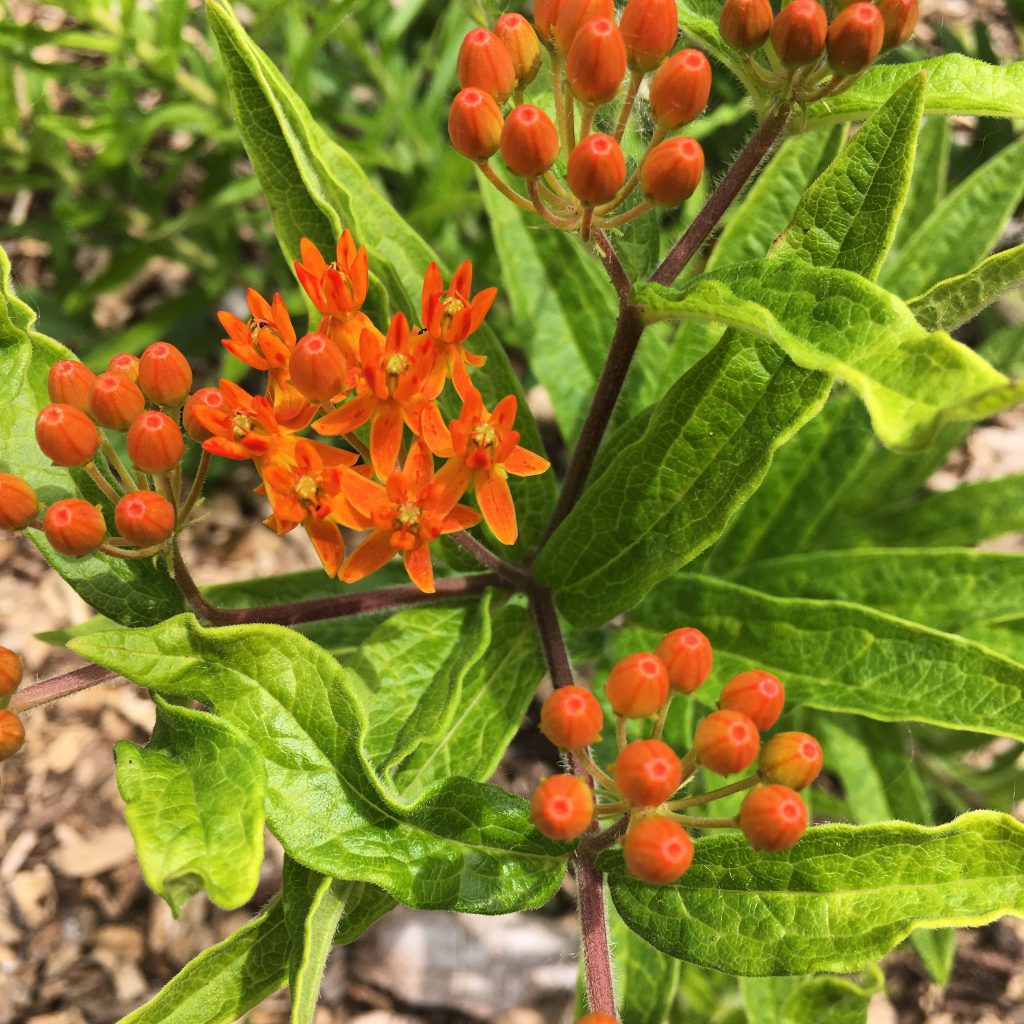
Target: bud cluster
(12, 732)
(594, 61)
(139, 398)
(642, 785)
(808, 47)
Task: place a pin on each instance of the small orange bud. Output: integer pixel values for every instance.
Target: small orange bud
(596, 169)
(649, 29)
(672, 171)
(69, 383)
(562, 807)
(790, 759)
(18, 502)
(522, 44)
(758, 695)
(529, 141)
(680, 89)
(574, 14)
(125, 363)
(317, 368)
(571, 717)
(726, 742)
(474, 124)
(164, 374)
(66, 436)
(144, 518)
(211, 398)
(647, 772)
(155, 444)
(12, 734)
(657, 850)
(11, 672)
(855, 38)
(688, 656)
(799, 32)
(772, 817)
(596, 63)
(900, 20)
(115, 401)
(545, 14)
(485, 64)
(745, 24)
(74, 527)
(637, 685)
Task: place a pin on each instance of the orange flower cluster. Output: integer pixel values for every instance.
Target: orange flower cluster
(349, 375)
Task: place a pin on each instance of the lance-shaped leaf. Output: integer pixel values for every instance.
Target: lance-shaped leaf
(950, 303)
(464, 845)
(956, 85)
(838, 656)
(928, 182)
(135, 592)
(962, 229)
(838, 900)
(910, 379)
(315, 188)
(819, 998)
(194, 797)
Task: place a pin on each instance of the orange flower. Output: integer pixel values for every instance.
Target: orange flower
(394, 371)
(482, 449)
(301, 479)
(412, 510)
(266, 342)
(338, 288)
(244, 427)
(449, 317)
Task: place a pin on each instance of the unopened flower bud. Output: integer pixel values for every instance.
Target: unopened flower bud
(18, 502)
(12, 734)
(529, 141)
(657, 850)
(164, 374)
(115, 401)
(680, 89)
(672, 171)
(649, 29)
(69, 383)
(790, 759)
(799, 32)
(66, 436)
(317, 368)
(144, 518)
(647, 772)
(772, 817)
(155, 444)
(688, 656)
(74, 527)
(900, 20)
(562, 807)
(474, 124)
(211, 398)
(596, 169)
(485, 64)
(855, 38)
(545, 14)
(11, 672)
(745, 24)
(522, 44)
(574, 14)
(125, 363)
(596, 63)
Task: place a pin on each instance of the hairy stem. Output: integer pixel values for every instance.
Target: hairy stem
(59, 686)
(597, 958)
(489, 560)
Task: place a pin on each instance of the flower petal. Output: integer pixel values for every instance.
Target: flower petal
(419, 567)
(326, 539)
(343, 420)
(386, 438)
(374, 552)
(495, 501)
(524, 463)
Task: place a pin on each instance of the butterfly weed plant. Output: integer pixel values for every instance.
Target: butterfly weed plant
(735, 582)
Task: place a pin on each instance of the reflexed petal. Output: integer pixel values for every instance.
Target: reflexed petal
(524, 463)
(453, 479)
(386, 438)
(462, 517)
(366, 496)
(245, 351)
(327, 543)
(419, 466)
(343, 420)
(226, 449)
(374, 552)
(495, 501)
(419, 567)
(434, 433)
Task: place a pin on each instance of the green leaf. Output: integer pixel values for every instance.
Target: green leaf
(946, 588)
(315, 188)
(645, 979)
(839, 899)
(463, 845)
(928, 181)
(911, 381)
(226, 980)
(135, 592)
(843, 657)
(819, 998)
(950, 303)
(194, 803)
(834, 226)
(961, 230)
(956, 85)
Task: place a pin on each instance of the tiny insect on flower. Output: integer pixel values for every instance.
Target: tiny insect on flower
(18, 502)
(772, 817)
(672, 170)
(790, 759)
(12, 734)
(726, 742)
(649, 29)
(529, 141)
(125, 363)
(756, 694)
(562, 807)
(485, 63)
(144, 518)
(688, 657)
(11, 672)
(571, 717)
(164, 375)
(900, 20)
(798, 33)
(596, 62)
(647, 772)
(69, 383)
(637, 685)
(115, 401)
(74, 527)
(474, 124)
(596, 169)
(154, 442)
(657, 850)
(574, 14)
(680, 89)
(66, 436)
(212, 398)
(746, 24)
(855, 38)
(522, 44)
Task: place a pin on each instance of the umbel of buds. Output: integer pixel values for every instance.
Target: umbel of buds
(641, 787)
